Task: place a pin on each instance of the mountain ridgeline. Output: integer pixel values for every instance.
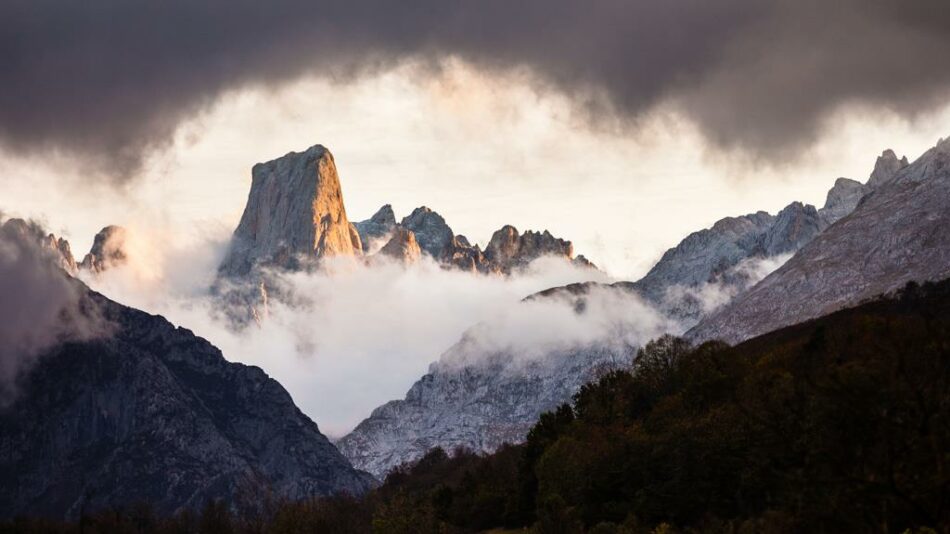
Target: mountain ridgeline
(295, 216)
(155, 414)
(838, 424)
(490, 398)
(295, 219)
(829, 414)
(897, 234)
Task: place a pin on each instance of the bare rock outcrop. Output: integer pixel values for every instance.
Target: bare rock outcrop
(294, 215)
(842, 199)
(434, 235)
(108, 250)
(886, 168)
(402, 247)
(377, 228)
(508, 251)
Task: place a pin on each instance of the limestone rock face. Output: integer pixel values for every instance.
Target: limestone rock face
(895, 235)
(466, 257)
(58, 247)
(402, 246)
(702, 255)
(153, 413)
(376, 228)
(885, 168)
(434, 235)
(711, 266)
(294, 215)
(842, 199)
(108, 250)
(794, 226)
(508, 250)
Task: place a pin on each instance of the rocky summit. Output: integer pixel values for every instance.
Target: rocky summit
(886, 168)
(108, 250)
(58, 247)
(896, 234)
(402, 246)
(294, 215)
(376, 229)
(842, 199)
(434, 235)
(152, 413)
(507, 251)
(711, 266)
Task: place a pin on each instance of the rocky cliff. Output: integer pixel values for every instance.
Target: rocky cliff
(294, 215)
(897, 233)
(402, 246)
(151, 412)
(433, 233)
(377, 229)
(842, 199)
(108, 250)
(711, 266)
(509, 251)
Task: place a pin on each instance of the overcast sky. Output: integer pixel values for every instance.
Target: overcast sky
(622, 125)
(483, 149)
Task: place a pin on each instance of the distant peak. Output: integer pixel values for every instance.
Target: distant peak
(384, 215)
(886, 167)
(294, 215)
(433, 233)
(108, 250)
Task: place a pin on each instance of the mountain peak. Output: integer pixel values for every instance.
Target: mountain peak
(56, 246)
(433, 233)
(402, 246)
(842, 198)
(885, 168)
(384, 215)
(508, 250)
(108, 250)
(294, 214)
(376, 229)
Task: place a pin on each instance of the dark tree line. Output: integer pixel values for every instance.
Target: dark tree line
(836, 425)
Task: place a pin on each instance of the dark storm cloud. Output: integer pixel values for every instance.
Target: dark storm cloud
(111, 79)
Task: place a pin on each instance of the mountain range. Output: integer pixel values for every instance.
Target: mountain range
(146, 411)
(703, 285)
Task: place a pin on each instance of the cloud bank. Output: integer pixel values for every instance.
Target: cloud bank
(358, 335)
(39, 305)
(110, 81)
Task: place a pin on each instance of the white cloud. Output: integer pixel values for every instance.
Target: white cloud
(363, 333)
